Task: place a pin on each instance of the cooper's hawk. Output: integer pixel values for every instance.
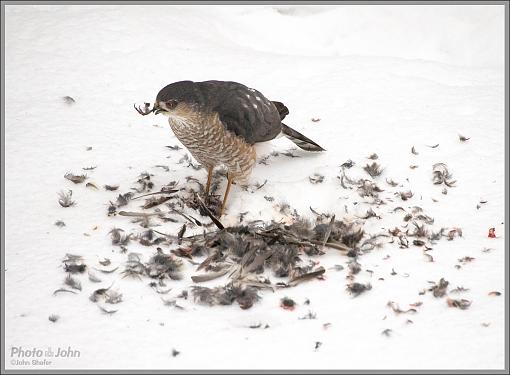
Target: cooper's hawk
(219, 122)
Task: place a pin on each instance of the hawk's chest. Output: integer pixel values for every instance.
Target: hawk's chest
(193, 134)
(201, 136)
(211, 144)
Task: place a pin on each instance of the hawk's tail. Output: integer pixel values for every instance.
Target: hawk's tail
(300, 140)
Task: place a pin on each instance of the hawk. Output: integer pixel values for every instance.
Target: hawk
(220, 121)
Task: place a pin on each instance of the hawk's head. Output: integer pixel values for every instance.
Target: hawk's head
(171, 98)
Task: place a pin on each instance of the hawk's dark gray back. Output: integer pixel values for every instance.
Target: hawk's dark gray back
(242, 110)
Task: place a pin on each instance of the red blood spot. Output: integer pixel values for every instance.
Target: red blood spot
(492, 233)
(286, 307)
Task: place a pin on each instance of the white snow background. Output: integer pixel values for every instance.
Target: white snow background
(380, 79)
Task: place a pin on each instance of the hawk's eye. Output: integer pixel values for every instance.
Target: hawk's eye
(171, 104)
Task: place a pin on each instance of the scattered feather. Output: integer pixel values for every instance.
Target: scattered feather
(60, 223)
(65, 198)
(311, 315)
(368, 188)
(348, 164)
(396, 309)
(466, 259)
(439, 289)
(419, 230)
(316, 178)
(62, 290)
(387, 332)
(53, 318)
(441, 175)
(174, 148)
(226, 295)
(162, 265)
(290, 154)
(113, 297)
(99, 294)
(452, 233)
(107, 271)
(119, 238)
(106, 262)
(75, 268)
(72, 282)
(172, 303)
(462, 304)
(405, 195)
(357, 288)
(77, 179)
(463, 139)
(373, 169)
(391, 182)
(153, 202)
(123, 199)
(68, 100)
(459, 289)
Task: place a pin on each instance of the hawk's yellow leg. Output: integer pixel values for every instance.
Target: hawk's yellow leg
(229, 184)
(209, 178)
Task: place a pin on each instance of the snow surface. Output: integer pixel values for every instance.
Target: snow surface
(380, 79)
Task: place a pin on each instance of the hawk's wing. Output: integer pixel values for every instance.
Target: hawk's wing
(242, 110)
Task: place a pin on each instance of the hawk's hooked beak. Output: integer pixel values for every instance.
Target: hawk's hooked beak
(157, 109)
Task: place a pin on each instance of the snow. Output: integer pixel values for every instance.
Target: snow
(380, 79)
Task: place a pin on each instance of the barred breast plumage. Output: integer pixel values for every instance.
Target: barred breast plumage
(211, 143)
